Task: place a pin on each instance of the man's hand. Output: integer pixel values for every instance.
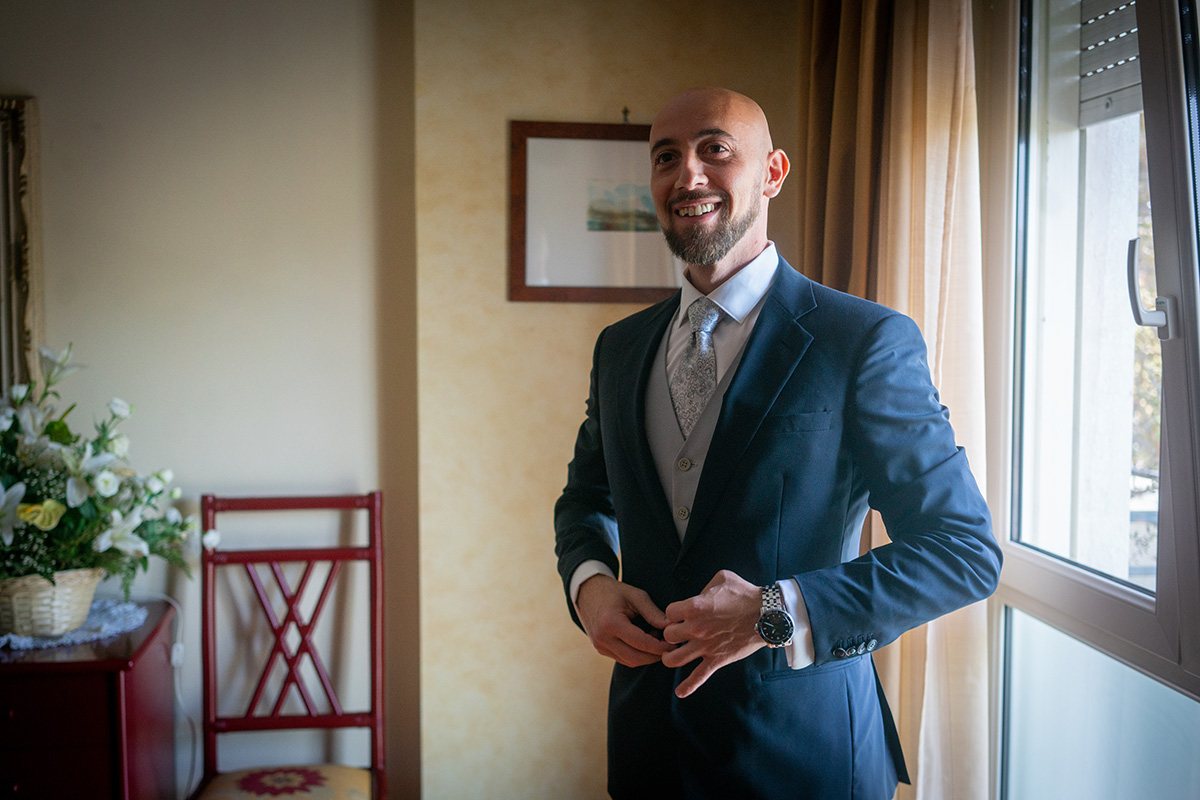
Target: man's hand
(607, 607)
(716, 626)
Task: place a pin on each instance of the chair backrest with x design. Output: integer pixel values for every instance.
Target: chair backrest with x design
(287, 583)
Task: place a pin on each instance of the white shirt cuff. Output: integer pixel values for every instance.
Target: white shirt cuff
(800, 653)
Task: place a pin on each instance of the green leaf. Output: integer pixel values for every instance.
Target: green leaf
(58, 432)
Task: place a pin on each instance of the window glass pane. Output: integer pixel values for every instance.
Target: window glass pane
(1080, 724)
(1089, 433)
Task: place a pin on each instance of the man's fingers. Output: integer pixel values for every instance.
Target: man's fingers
(625, 654)
(681, 655)
(677, 633)
(637, 638)
(680, 610)
(616, 636)
(691, 683)
(647, 610)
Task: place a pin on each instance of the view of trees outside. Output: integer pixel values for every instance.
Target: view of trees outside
(1147, 393)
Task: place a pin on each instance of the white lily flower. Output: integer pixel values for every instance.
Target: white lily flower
(78, 491)
(32, 420)
(79, 468)
(56, 367)
(7, 415)
(11, 498)
(92, 464)
(173, 516)
(119, 408)
(166, 475)
(19, 392)
(121, 536)
(107, 484)
(211, 538)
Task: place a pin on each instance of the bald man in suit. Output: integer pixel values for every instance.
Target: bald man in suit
(709, 543)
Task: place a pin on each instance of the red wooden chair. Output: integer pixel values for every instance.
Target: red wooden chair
(294, 689)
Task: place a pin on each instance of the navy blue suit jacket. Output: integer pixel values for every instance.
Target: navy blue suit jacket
(831, 409)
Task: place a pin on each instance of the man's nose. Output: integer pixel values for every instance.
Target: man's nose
(691, 173)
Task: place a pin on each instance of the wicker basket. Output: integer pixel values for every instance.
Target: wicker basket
(33, 606)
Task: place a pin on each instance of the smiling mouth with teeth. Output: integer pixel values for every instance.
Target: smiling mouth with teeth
(695, 211)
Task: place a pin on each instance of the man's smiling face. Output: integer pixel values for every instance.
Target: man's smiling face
(710, 154)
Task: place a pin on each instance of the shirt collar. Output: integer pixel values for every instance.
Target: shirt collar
(737, 296)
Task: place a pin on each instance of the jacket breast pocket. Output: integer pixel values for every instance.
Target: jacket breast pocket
(798, 423)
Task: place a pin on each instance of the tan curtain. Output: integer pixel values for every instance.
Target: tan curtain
(890, 211)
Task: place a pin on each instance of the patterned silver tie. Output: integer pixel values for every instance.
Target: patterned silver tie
(696, 376)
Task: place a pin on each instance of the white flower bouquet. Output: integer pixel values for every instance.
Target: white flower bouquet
(68, 502)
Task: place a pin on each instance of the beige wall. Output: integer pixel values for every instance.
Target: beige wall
(226, 206)
(229, 238)
(512, 696)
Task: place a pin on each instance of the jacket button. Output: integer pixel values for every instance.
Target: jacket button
(684, 464)
(871, 645)
(682, 512)
(839, 652)
(862, 648)
(682, 574)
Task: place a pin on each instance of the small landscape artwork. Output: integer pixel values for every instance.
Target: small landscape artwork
(620, 207)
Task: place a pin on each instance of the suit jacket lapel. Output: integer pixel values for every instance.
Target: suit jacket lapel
(775, 347)
(639, 360)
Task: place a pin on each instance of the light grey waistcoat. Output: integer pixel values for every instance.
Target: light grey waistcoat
(679, 461)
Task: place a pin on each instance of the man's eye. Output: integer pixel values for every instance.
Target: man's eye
(662, 158)
(717, 148)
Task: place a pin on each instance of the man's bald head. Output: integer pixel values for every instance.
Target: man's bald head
(713, 102)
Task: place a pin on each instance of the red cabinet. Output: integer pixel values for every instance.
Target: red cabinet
(93, 720)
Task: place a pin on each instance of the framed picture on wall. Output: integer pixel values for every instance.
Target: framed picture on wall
(582, 225)
(19, 281)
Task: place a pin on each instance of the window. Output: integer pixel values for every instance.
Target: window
(1141, 743)
(1102, 572)
(1091, 377)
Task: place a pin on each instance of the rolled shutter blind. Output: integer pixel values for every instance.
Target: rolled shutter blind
(1110, 76)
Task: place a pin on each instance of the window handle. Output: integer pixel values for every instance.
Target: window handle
(1163, 316)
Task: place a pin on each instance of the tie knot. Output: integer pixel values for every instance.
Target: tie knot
(703, 314)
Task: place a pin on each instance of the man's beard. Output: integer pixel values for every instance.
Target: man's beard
(705, 248)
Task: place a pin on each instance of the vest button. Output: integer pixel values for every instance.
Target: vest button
(682, 574)
(684, 464)
(682, 512)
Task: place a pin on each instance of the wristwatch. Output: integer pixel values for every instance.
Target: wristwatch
(774, 624)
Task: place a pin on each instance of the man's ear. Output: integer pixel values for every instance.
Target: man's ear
(777, 170)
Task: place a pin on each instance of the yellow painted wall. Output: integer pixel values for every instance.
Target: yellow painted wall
(513, 698)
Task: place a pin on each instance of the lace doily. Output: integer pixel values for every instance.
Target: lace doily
(106, 618)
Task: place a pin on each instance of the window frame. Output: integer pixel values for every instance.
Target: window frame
(1146, 632)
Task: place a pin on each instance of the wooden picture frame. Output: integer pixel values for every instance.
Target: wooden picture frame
(582, 226)
(19, 311)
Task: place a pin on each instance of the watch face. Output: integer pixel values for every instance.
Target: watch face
(775, 626)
